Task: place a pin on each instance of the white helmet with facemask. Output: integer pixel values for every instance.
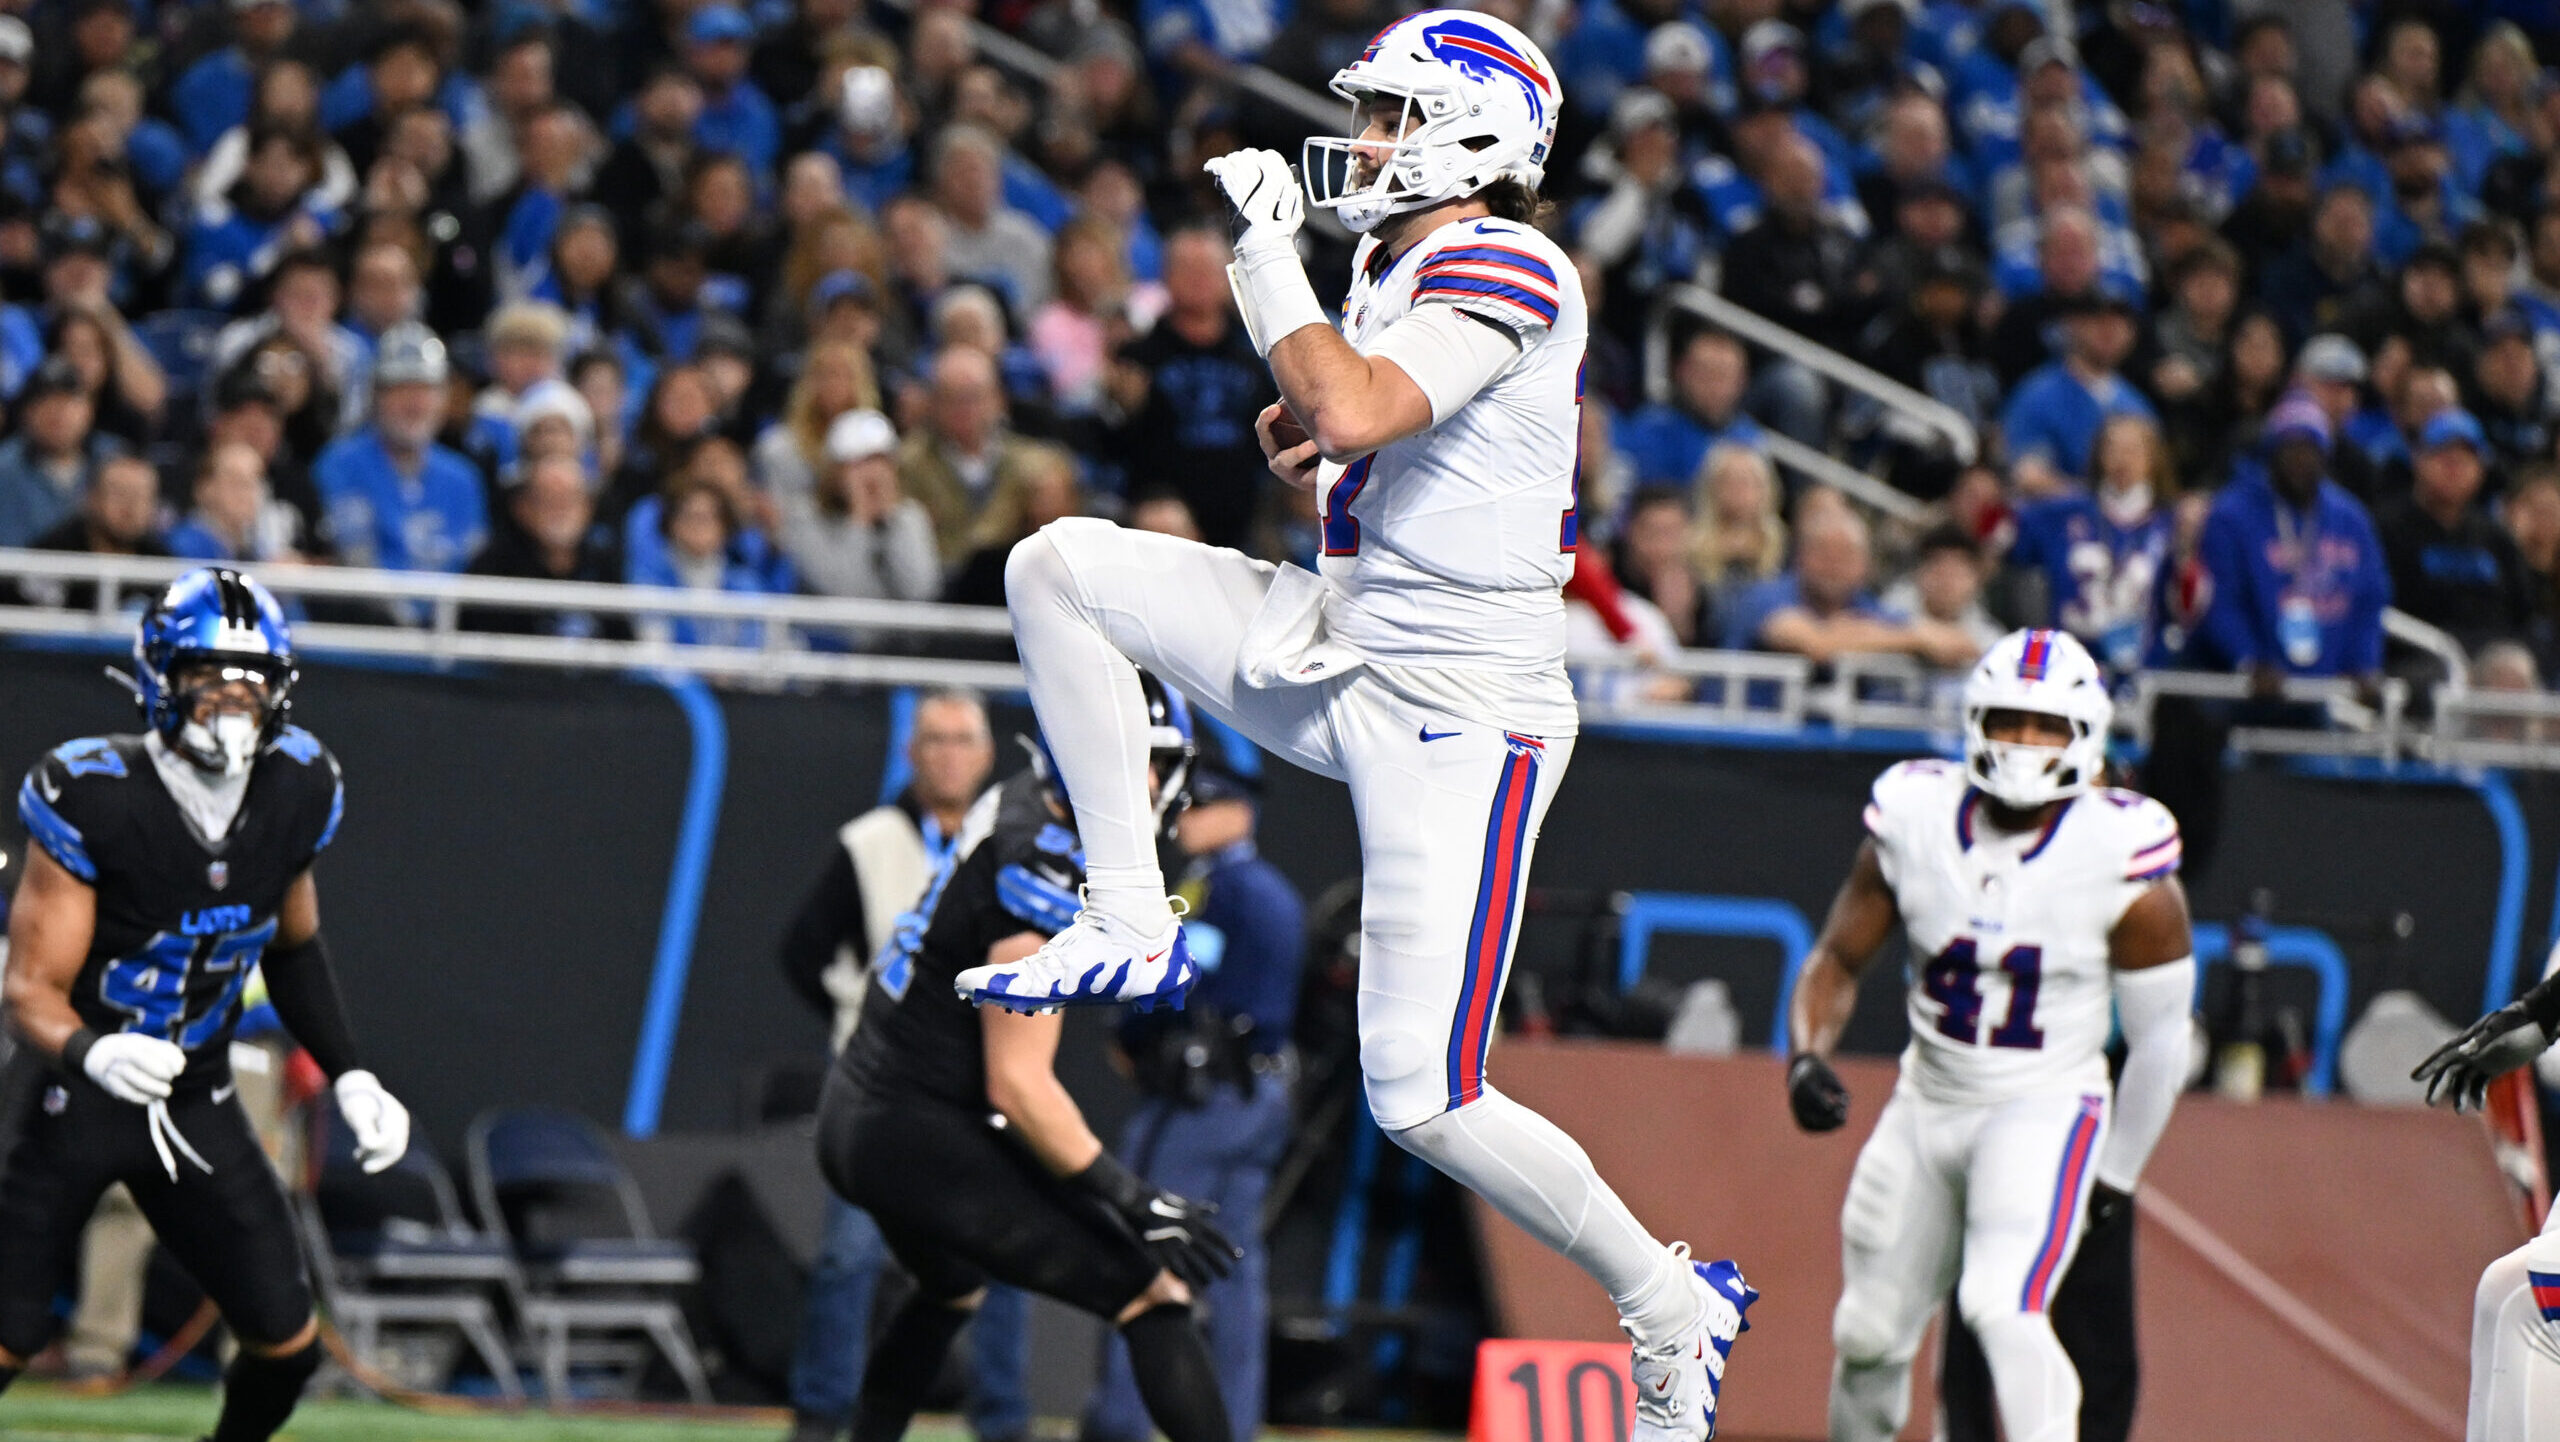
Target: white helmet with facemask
(1479, 105)
(2048, 673)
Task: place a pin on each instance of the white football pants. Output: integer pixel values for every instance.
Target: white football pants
(2515, 1344)
(2000, 1189)
(1448, 810)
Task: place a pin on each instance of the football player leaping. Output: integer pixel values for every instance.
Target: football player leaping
(2037, 903)
(165, 867)
(2515, 1314)
(1424, 665)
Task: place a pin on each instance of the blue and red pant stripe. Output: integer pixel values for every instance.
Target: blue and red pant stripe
(1506, 849)
(2079, 1151)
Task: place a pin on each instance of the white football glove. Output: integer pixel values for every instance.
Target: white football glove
(1263, 191)
(380, 1123)
(134, 1068)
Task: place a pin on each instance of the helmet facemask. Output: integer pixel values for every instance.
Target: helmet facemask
(1363, 181)
(2027, 775)
(223, 709)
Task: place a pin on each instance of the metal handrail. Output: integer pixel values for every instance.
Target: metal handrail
(1936, 415)
(2409, 631)
(1856, 484)
(447, 593)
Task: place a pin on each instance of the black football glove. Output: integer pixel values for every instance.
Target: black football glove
(2106, 1204)
(1816, 1094)
(1174, 1230)
(2510, 1037)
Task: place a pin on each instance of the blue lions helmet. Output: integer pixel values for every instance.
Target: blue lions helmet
(212, 628)
(1171, 743)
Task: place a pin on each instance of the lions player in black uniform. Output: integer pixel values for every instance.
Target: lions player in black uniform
(165, 867)
(949, 1125)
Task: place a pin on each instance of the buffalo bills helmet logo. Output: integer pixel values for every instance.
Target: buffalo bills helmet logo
(1477, 52)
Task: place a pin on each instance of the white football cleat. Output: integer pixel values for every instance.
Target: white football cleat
(1094, 962)
(1677, 1384)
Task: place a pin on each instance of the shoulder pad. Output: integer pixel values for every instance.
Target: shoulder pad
(2152, 845)
(300, 745)
(1906, 784)
(1511, 276)
(57, 802)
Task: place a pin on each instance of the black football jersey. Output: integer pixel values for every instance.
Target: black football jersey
(1016, 867)
(182, 919)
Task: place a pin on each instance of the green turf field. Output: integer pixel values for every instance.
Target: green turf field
(35, 1413)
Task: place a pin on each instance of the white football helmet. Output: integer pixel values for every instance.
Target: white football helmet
(2050, 673)
(1480, 105)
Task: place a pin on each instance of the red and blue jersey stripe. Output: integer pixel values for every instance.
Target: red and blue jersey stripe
(1341, 528)
(2546, 1293)
(2156, 860)
(1500, 273)
(2079, 1149)
(1506, 853)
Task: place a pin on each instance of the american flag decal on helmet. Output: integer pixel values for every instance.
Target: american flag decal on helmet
(2038, 655)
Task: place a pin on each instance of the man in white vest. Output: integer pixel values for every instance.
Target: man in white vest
(881, 865)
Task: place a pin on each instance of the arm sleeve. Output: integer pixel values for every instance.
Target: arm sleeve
(2152, 1006)
(303, 988)
(830, 915)
(1450, 353)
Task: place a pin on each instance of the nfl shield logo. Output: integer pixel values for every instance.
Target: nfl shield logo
(217, 874)
(56, 1101)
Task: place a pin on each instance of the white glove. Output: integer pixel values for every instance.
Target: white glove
(1272, 294)
(133, 1067)
(1258, 184)
(380, 1123)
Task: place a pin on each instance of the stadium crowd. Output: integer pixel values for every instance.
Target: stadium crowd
(2258, 314)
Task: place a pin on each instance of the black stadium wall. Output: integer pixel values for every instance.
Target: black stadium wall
(499, 892)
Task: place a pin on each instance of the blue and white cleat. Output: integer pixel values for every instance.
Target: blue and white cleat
(1094, 962)
(1677, 1384)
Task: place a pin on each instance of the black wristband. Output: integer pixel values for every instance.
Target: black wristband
(75, 1049)
(1112, 1182)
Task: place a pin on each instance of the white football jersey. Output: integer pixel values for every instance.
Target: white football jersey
(1451, 547)
(2011, 988)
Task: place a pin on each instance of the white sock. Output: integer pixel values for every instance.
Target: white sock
(1094, 718)
(2037, 1387)
(1540, 1178)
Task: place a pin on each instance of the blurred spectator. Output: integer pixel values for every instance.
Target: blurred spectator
(698, 531)
(964, 463)
(1798, 267)
(1050, 491)
(527, 344)
(1650, 227)
(2532, 516)
(1666, 441)
(396, 498)
(1944, 587)
(236, 519)
(405, 68)
(676, 414)
(2224, 432)
(49, 464)
(302, 297)
(665, 309)
(517, 87)
(2451, 565)
(1188, 391)
(2333, 275)
(2294, 578)
(2512, 408)
(550, 419)
(1934, 343)
(234, 243)
(554, 537)
(1822, 609)
(2423, 309)
(857, 534)
(653, 150)
(214, 94)
(2194, 329)
(2089, 561)
(555, 153)
(1088, 315)
(2030, 326)
(985, 238)
(792, 453)
(126, 387)
(2332, 371)
(1164, 514)
(1740, 539)
(2052, 420)
(1199, 39)
(118, 515)
(737, 117)
(285, 95)
(1654, 563)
